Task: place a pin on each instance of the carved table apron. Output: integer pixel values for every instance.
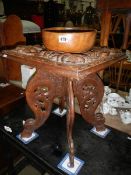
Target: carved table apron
(64, 75)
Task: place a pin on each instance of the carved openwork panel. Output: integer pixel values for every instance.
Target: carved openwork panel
(89, 92)
(42, 90)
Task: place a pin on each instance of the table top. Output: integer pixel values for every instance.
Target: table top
(70, 65)
(100, 155)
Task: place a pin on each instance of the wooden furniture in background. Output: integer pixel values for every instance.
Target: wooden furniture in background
(13, 31)
(1, 35)
(126, 40)
(12, 35)
(3, 75)
(107, 8)
(10, 98)
(118, 25)
(125, 78)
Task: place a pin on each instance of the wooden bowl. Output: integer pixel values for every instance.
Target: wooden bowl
(74, 40)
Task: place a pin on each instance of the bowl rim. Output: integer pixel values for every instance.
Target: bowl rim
(69, 30)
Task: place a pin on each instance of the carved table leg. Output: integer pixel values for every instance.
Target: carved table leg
(39, 96)
(70, 122)
(89, 92)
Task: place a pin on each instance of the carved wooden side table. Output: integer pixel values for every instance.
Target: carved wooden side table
(64, 75)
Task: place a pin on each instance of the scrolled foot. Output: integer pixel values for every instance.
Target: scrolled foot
(99, 122)
(28, 128)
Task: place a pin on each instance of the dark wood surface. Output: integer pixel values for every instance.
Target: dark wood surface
(10, 98)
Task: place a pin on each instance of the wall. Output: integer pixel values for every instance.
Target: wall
(79, 4)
